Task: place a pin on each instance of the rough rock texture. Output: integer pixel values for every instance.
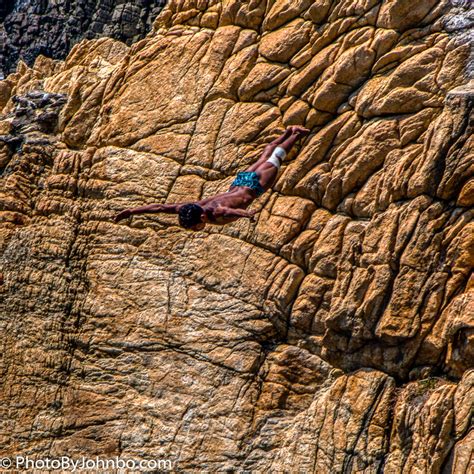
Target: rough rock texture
(336, 334)
(32, 27)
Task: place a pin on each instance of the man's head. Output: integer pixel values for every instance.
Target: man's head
(190, 217)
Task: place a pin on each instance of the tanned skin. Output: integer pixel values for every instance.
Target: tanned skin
(227, 207)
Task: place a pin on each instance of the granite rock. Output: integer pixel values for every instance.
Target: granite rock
(334, 334)
(52, 27)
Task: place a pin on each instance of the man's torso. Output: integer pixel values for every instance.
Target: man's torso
(236, 198)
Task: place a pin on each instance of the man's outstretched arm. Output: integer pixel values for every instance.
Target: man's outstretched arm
(236, 213)
(150, 209)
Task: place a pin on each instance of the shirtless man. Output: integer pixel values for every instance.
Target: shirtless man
(231, 205)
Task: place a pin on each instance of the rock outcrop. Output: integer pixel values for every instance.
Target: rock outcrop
(335, 334)
(52, 27)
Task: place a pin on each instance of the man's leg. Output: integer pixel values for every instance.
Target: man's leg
(268, 150)
(268, 172)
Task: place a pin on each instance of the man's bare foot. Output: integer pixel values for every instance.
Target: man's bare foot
(299, 130)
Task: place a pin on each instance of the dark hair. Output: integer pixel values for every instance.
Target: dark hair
(189, 215)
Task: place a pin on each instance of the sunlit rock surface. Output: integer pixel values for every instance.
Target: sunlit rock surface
(335, 334)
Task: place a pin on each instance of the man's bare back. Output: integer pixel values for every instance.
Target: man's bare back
(227, 207)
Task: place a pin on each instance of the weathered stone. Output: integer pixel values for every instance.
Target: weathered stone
(275, 46)
(51, 28)
(424, 430)
(343, 430)
(335, 334)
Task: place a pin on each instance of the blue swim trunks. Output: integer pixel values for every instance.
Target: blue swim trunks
(250, 180)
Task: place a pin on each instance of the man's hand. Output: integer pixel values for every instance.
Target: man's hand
(123, 215)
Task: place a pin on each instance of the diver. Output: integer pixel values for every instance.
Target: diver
(229, 206)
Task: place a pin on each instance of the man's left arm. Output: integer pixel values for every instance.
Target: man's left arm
(236, 213)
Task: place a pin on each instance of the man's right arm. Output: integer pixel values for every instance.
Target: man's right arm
(149, 209)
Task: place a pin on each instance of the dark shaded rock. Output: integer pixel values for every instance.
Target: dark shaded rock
(35, 116)
(51, 28)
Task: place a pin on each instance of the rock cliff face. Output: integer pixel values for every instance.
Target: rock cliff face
(52, 27)
(336, 334)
